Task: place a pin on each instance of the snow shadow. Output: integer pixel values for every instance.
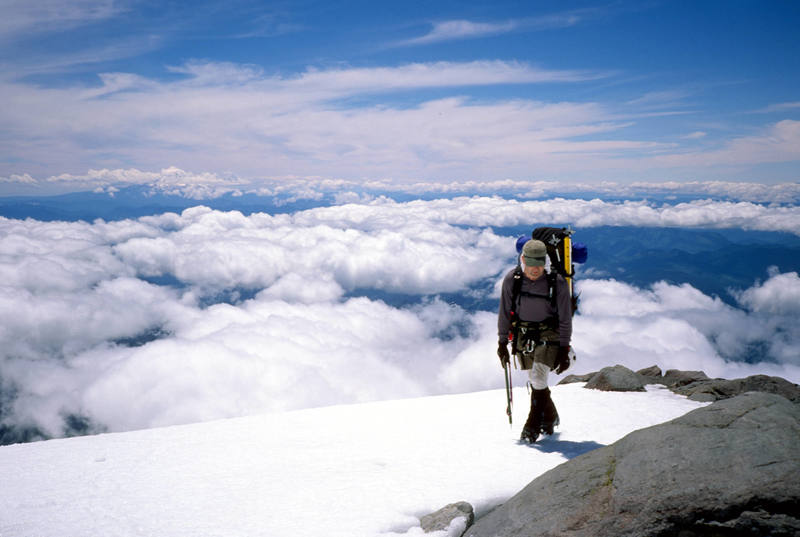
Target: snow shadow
(568, 448)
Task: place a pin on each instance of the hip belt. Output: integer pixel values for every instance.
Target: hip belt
(530, 334)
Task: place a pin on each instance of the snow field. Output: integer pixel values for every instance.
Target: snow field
(356, 470)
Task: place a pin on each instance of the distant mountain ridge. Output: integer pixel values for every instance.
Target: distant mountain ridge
(711, 260)
(138, 201)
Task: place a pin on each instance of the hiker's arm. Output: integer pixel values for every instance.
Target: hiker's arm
(504, 311)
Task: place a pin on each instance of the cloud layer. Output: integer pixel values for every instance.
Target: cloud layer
(209, 186)
(255, 123)
(207, 314)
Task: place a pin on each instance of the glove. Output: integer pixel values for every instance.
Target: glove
(562, 361)
(502, 352)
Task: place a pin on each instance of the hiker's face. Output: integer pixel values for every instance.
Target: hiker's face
(533, 273)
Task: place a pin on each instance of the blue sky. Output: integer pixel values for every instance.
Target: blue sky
(401, 92)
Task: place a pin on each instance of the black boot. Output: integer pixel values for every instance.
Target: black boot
(549, 413)
(533, 425)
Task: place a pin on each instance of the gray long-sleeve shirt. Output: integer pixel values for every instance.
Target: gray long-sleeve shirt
(535, 308)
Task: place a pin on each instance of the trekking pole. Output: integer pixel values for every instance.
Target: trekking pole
(509, 393)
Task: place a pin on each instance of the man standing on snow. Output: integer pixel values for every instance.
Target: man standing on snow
(538, 314)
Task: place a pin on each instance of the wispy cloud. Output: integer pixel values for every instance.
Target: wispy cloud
(20, 18)
(437, 74)
(14, 68)
(695, 135)
(269, 24)
(780, 107)
(23, 24)
(238, 118)
(461, 29)
(779, 142)
(659, 99)
(458, 29)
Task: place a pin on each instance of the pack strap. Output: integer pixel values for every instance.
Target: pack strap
(513, 315)
(552, 290)
(517, 293)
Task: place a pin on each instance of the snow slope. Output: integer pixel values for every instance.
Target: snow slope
(358, 470)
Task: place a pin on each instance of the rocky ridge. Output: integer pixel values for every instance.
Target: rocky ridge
(731, 468)
(695, 385)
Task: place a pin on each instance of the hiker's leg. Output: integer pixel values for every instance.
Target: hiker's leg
(538, 376)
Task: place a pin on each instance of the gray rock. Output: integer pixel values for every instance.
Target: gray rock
(730, 468)
(716, 389)
(570, 379)
(652, 371)
(441, 519)
(674, 378)
(757, 523)
(616, 379)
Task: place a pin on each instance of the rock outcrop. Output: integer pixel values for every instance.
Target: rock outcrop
(570, 379)
(616, 379)
(674, 378)
(716, 389)
(444, 518)
(694, 384)
(730, 468)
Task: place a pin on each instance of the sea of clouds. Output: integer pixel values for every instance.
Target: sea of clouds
(178, 318)
(287, 189)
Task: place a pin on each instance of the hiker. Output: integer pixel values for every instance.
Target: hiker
(539, 319)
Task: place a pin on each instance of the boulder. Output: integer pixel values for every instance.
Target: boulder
(616, 379)
(653, 371)
(674, 378)
(570, 379)
(716, 389)
(442, 519)
(729, 468)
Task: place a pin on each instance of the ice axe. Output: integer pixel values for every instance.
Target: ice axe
(509, 393)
